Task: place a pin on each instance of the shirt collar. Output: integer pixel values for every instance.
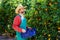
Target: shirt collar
(21, 14)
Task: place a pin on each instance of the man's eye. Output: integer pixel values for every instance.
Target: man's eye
(19, 9)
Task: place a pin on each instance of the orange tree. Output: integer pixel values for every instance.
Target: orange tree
(41, 14)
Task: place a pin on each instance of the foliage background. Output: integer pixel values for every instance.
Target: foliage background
(42, 14)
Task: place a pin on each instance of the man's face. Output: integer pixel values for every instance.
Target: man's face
(22, 10)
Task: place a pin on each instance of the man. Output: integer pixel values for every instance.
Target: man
(19, 23)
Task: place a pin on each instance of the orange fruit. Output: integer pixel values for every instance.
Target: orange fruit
(48, 38)
(56, 3)
(49, 35)
(50, 3)
(36, 12)
(58, 27)
(46, 9)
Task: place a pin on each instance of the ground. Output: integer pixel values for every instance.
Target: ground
(6, 38)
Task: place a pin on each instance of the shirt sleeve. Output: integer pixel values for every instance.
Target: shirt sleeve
(16, 24)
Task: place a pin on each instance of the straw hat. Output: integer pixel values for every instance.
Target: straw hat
(18, 8)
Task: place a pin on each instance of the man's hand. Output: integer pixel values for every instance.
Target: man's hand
(23, 30)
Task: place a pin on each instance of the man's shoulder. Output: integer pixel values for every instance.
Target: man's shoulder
(17, 16)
